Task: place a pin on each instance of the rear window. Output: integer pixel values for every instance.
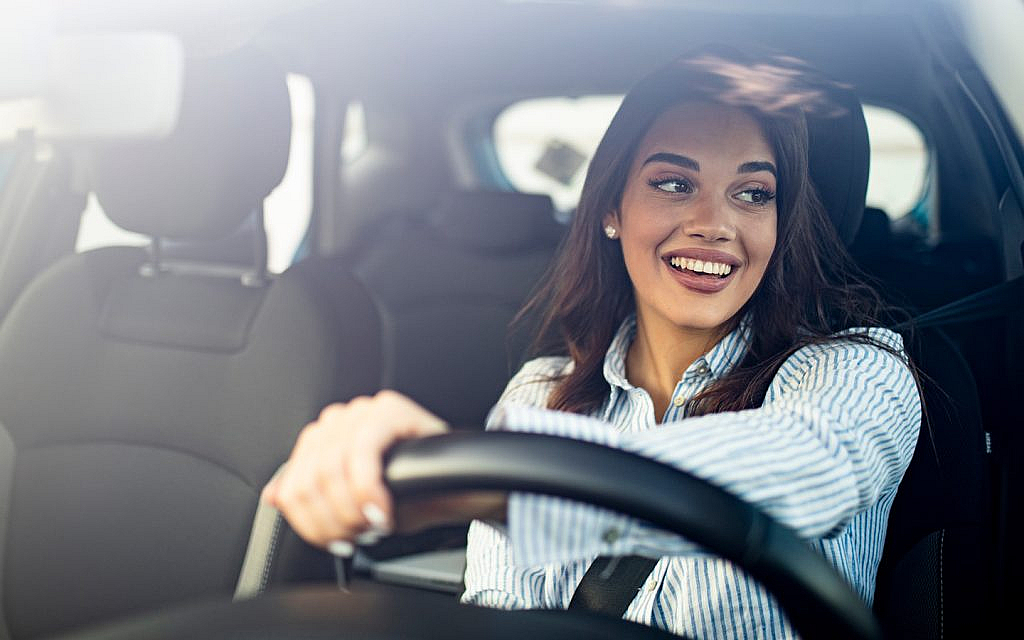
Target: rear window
(544, 145)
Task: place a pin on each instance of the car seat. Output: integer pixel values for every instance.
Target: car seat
(935, 566)
(448, 283)
(146, 395)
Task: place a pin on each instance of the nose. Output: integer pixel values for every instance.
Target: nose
(710, 220)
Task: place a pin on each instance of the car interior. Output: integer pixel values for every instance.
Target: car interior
(147, 393)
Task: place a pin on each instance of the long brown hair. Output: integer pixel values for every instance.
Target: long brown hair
(810, 290)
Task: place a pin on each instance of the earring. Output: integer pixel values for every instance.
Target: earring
(611, 232)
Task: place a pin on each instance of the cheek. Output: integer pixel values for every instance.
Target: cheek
(761, 242)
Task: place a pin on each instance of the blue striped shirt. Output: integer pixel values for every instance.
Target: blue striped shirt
(824, 454)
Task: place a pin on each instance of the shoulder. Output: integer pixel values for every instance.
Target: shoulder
(535, 381)
(539, 373)
(874, 351)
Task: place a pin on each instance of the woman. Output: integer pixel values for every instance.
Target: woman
(707, 317)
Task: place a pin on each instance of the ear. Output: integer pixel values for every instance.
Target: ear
(610, 218)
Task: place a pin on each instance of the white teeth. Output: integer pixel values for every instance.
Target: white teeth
(701, 266)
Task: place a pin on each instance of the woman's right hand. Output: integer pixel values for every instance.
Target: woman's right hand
(332, 488)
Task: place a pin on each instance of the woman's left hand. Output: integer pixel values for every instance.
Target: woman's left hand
(332, 487)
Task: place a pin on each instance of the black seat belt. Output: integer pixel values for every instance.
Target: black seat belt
(611, 583)
(993, 302)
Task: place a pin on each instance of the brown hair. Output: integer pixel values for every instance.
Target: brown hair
(810, 290)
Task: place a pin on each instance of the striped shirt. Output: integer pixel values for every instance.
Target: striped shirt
(824, 455)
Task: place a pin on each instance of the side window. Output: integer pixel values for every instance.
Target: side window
(287, 209)
(544, 145)
(898, 181)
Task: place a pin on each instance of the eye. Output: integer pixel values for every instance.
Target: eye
(757, 197)
(672, 185)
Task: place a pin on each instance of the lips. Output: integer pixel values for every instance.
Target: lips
(701, 282)
(705, 255)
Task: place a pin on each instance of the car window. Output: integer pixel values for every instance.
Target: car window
(287, 209)
(544, 146)
(900, 163)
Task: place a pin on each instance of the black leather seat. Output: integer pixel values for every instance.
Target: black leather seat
(448, 283)
(146, 396)
(936, 570)
(936, 564)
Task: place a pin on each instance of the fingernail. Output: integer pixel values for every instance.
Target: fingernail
(376, 517)
(341, 548)
(369, 537)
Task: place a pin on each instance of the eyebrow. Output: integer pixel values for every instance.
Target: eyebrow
(693, 165)
(754, 167)
(676, 159)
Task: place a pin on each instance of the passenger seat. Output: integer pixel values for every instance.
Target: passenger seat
(146, 396)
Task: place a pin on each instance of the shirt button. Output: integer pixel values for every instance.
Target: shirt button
(610, 535)
(652, 585)
(678, 401)
(703, 369)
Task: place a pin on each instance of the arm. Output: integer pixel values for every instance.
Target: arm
(492, 578)
(332, 490)
(835, 433)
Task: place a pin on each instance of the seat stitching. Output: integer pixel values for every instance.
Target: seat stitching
(942, 541)
(274, 535)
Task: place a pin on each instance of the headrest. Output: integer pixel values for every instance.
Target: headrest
(228, 151)
(839, 158)
(496, 221)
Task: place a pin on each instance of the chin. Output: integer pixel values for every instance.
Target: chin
(701, 321)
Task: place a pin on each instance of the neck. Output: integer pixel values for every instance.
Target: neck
(661, 352)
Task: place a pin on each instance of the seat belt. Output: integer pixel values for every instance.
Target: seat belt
(611, 583)
(993, 302)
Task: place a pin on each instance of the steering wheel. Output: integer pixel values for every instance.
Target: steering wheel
(817, 601)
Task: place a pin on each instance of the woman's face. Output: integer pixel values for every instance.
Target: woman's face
(698, 216)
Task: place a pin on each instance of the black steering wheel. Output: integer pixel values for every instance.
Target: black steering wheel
(817, 601)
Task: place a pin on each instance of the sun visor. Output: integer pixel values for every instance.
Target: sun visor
(91, 86)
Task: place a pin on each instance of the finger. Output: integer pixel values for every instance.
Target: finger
(309, 515)
(337, 495)
(301, 497)
(365, 476)
(269, 493)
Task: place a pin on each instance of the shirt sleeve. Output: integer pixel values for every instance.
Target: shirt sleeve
(492, 578)
(836, 432)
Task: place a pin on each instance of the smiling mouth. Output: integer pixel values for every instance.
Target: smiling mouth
(701, 268)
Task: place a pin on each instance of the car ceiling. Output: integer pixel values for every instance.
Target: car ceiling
(408, 50)
(448, 50)
(439, 58)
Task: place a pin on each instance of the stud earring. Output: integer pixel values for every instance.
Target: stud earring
(611, 232)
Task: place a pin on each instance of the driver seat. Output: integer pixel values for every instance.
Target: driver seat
(936, 559)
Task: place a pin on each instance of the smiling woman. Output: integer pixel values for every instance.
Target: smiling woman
(696, 314)
(697, 227)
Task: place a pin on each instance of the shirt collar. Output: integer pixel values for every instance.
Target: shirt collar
(720, 359)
